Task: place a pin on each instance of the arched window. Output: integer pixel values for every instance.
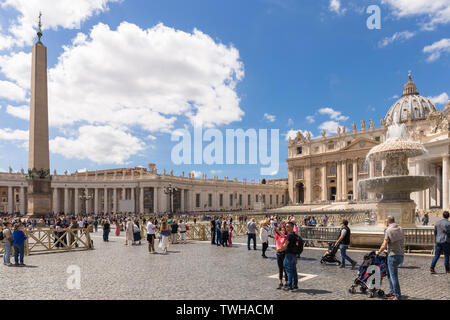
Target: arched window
(300, 174)
(333, 170)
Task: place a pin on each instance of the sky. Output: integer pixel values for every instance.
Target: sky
(125, 75)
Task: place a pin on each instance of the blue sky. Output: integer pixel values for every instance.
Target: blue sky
(125, 74)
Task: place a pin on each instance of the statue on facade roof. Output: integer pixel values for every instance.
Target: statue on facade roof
(354, 127)
(363, 125)
(371, 125)
(344, 130)
(308, 136)
(324, 133)
(339, 131)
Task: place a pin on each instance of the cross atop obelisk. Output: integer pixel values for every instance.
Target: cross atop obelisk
(39, 187)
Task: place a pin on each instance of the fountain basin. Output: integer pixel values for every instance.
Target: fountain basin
(397, 187)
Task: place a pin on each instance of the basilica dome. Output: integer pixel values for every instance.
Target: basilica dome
(411, 104)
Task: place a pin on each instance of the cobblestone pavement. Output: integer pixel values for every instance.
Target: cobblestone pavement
(198, 270)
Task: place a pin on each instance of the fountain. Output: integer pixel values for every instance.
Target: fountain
(396, 184)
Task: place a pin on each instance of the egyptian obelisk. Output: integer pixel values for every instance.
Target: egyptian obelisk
(39, 179)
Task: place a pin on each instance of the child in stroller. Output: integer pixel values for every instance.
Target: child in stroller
(361, 280)
(330, 255)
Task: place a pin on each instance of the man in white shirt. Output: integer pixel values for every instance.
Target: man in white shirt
(151, 236)
(182, 226)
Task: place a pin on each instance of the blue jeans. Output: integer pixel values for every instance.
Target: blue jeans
(393, 262)
(251, 236)
(441, 248)
(106, 234)
(290, 266)
(219, 237)
(7, 252)
(19, 249)
(344, 255)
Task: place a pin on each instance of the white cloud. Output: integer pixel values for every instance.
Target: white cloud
(395, 96)
(196, 174)
(440, 99)
(329, 126)
(335, 6)
(436, 11)
(106, 145)
(152, 138)
(269, 117)
(13, 135)
(3, 170)
(145, 78)
(11, 91)
(333, 114)
(310, 119)
(21, 112)
(216, 172)
(290, 122)
(437, 49)
(67, 14)
(17, 67)
(398, 36)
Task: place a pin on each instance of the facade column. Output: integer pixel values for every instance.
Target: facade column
(420, 193)
(182, 200)
(66, 201)
(372, 195)
(124, 194)
(308, 194)
(338, 181)
(344, 181)
(324, 182)
(445, 182)
(96, 200)
(77, 202)
(22, 201)
(355, 180)
(141, 199)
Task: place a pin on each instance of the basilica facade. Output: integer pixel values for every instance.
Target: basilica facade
(327, 169)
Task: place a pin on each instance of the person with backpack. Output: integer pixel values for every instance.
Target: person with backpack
(292, 246)
(344, 242)
(6, 236)
(442, 236)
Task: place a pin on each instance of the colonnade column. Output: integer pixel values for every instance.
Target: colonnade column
(156, 201)
(445, 182)
(355, 180)
(115, 201)
(141, 199)
(66, 200)
(182, 200)
(10, 200)
(105, 200)
(22, 201)
(55, 201)
(77, 202)
(96, 201)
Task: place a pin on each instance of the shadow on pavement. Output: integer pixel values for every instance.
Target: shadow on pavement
(313, 291)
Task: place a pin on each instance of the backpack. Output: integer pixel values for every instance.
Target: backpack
(299, 244)
(1, 235)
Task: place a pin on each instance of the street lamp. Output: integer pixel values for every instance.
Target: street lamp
(170, 191)
(85, 198)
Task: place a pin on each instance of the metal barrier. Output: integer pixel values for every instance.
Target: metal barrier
(49, 240)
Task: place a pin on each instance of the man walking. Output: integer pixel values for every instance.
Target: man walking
(264, 237)
(151, 236)
(394, 240)
(219, 231)
(7, 244)
(442, 235)
(251, 233)
(174, 227)
(290, 258)
(19, 245)
(344, 242)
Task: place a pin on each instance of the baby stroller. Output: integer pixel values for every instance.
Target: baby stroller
(330, 255)
(361, 280)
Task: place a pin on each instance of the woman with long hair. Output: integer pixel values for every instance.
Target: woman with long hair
(280, 237)
(165, 232)
(117, 223)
